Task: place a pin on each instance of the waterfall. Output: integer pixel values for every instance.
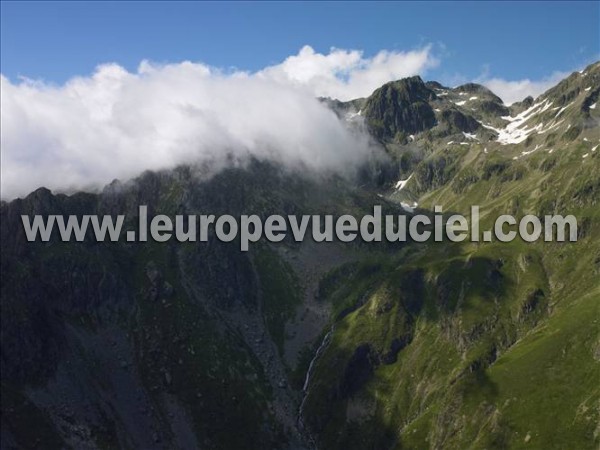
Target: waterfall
(320, 350)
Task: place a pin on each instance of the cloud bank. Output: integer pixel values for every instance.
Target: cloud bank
(116, 124)
(346, 74)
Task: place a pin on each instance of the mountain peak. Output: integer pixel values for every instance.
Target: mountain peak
(409, 89)
(400, 107)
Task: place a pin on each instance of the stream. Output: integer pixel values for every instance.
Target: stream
(309, 372)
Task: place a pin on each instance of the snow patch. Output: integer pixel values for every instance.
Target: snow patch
(351, 116)
(401, 183)
(530, 151)
(409, 208)
(593, 106)
(460, 103)
(515, 132)
(473, 98)
(562, 109)
(489, 127)
(470, 136)
(551, 126)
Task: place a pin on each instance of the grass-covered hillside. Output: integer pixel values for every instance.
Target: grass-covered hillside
(478, 345)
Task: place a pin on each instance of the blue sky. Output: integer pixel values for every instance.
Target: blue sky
(54, 41)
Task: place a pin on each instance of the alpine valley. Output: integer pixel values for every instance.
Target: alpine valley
(292, 345)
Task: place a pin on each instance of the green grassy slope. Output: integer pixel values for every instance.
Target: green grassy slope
(496, 345)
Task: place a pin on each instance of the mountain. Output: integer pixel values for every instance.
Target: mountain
(497, 344)
(328, 345)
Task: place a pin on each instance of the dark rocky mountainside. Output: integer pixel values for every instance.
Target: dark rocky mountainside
(325, 345)
(400, 107)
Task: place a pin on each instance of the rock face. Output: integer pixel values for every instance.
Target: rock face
(160, 345)
(358, 370)
(400, 107)
(457, 122)
(137, 345)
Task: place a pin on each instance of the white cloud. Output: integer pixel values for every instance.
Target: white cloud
(115, 124)
(347, 74)
(517, 90)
